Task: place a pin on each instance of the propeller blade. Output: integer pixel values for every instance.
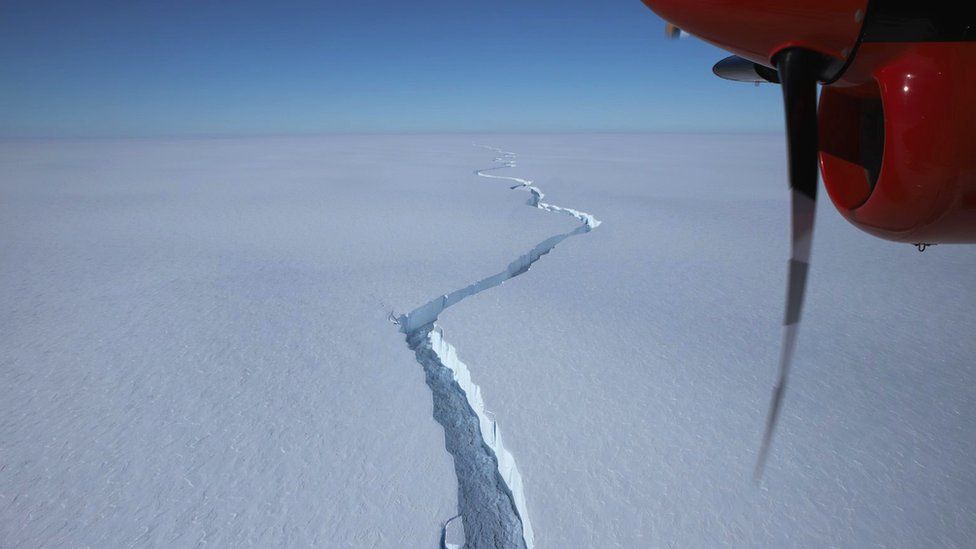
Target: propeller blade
(798, 71)
(738, 69)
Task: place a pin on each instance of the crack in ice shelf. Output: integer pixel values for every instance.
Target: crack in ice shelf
(508, 160)
(491, 498)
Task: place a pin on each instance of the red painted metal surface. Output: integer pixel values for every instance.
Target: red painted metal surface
(926, 189)
(758, 29)
(918, 183)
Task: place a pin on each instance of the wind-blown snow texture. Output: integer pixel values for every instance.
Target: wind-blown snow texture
(195, 344)
(196, 347)
(632, 369)
(491, 496)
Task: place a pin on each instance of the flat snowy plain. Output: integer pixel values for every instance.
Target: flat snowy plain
(197, 348)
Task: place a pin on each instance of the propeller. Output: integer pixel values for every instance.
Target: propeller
(736, 68)
(798, 71)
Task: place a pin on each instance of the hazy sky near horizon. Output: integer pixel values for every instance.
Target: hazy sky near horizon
(80, 68)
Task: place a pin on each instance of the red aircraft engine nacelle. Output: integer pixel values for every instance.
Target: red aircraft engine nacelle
(897, 147)
(758, 29)
(897, 112)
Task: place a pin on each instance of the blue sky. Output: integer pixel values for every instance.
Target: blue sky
(140, 68)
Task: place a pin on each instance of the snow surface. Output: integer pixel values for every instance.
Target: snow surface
(197, 347)
(631, 368)
(491, 496)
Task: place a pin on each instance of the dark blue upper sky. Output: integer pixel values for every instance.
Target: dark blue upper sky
(73, 68)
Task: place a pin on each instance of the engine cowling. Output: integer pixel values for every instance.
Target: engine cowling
(897, 153)
(897, 113)
(758, 29)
